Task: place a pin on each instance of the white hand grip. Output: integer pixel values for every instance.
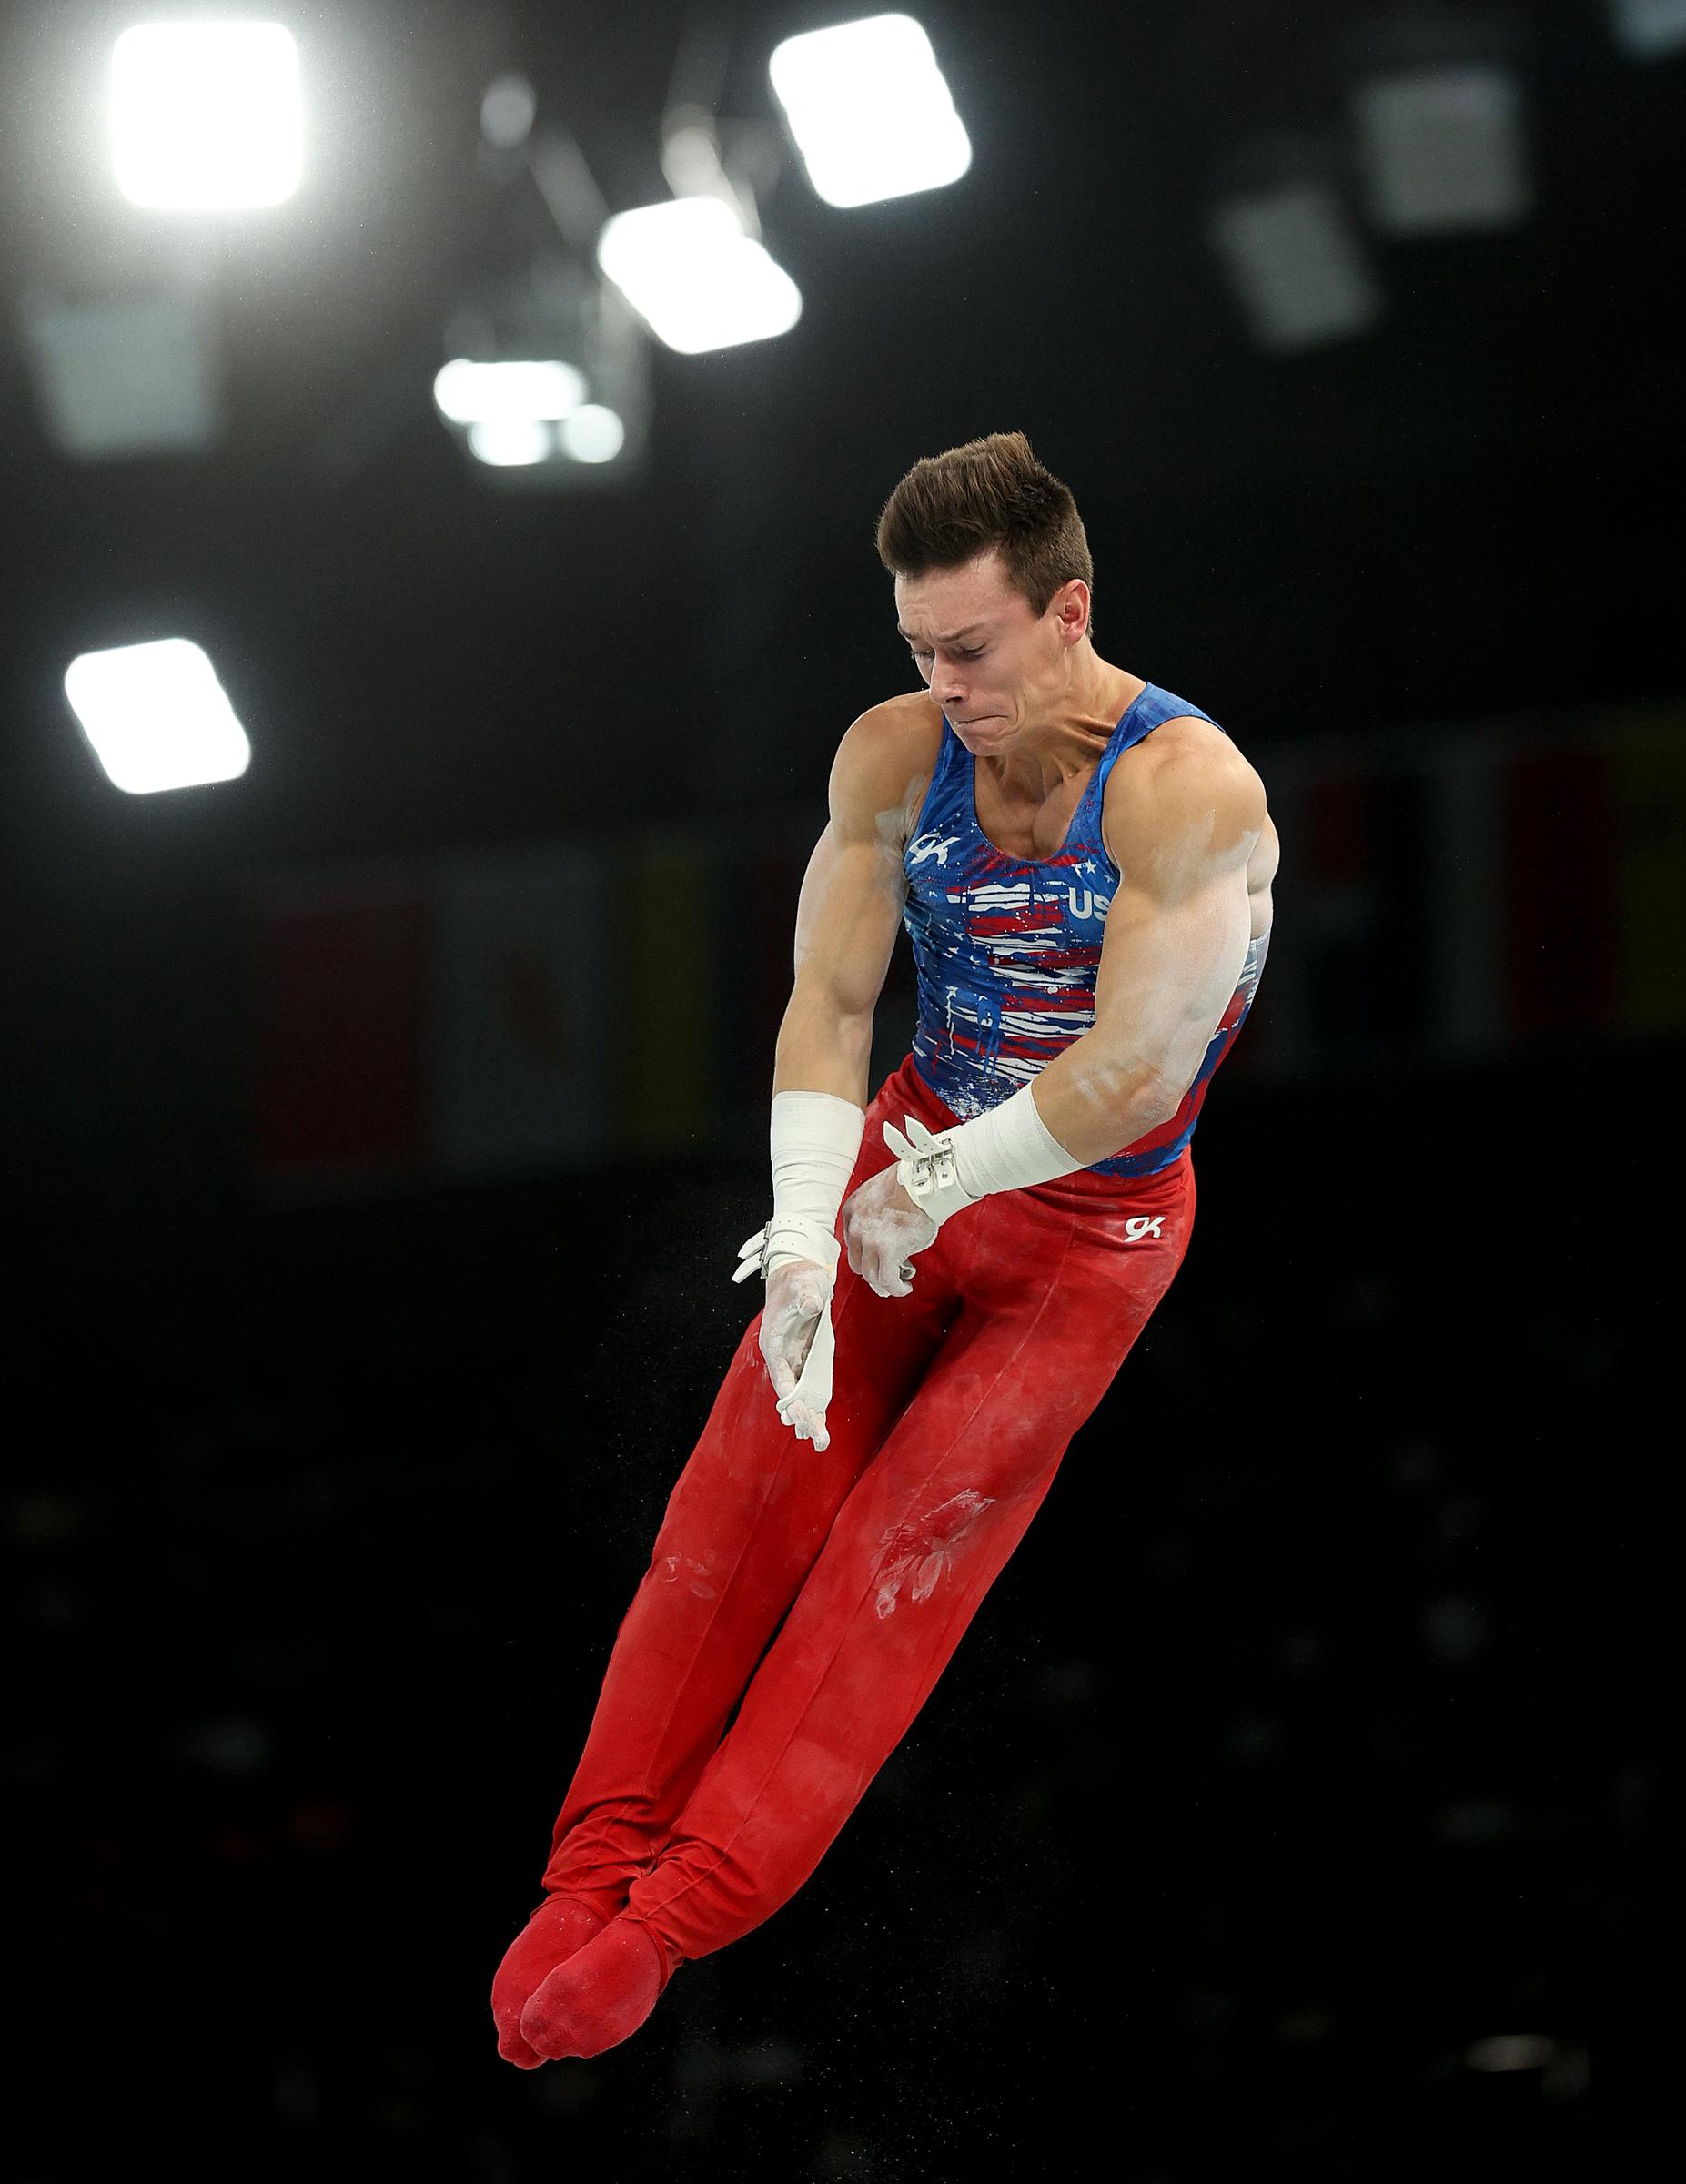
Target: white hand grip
(804, 1408)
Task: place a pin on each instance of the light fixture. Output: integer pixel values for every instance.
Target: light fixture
(694, 278)
(206, 116)
(594, 433)
(868, 110)
(157, 716)
(1296, 265)
(124, 374)
(511, 443)
(1649, 27)
(512, 392)
(1442, 150)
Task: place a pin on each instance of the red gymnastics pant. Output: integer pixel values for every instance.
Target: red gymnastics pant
(951, 1409)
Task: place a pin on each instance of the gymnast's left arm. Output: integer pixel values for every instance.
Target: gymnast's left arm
(1176, 942)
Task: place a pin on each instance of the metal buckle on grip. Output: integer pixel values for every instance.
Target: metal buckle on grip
(933, 1171)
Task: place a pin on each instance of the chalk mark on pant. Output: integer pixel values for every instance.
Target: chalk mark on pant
(925, 1548)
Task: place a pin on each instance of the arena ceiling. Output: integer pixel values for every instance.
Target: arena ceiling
(1465, 509)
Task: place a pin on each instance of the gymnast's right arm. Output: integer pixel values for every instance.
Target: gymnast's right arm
(847, 922)
(847, 917)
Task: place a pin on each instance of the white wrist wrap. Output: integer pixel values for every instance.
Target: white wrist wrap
(1005, 1150)
(815, 1138)
(1009, 1147)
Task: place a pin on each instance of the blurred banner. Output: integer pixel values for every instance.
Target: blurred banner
(518, 1026)
(534, 1009)
(341, 967)
(1460, 892)
(1444, 895)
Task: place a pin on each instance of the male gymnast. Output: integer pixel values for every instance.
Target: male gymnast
(1083, 862)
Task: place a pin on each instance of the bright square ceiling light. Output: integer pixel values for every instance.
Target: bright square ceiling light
(512, 392)
(207, 116)
(870, 110)
(157, 716)
(695, 277)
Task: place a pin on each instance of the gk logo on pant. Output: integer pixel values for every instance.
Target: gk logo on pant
(1140, 1225)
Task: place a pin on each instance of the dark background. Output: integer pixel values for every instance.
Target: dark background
(1310, 1742)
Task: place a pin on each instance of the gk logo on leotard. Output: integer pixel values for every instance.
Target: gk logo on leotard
(1141, 1224)
(936, 845)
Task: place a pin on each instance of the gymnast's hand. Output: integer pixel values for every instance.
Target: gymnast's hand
(883, 1228)
(796, 1342)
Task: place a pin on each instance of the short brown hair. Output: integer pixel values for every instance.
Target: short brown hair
(989, 493)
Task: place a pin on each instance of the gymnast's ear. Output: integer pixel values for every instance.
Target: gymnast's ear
(1070, 609)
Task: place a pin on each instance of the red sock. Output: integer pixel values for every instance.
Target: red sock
(601, 1996)
(557, 1930)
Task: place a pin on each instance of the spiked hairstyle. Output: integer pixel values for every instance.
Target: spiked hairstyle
(990, 492)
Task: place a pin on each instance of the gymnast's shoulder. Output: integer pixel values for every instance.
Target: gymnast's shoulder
(887, 756)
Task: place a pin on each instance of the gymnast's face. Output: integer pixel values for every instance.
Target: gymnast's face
(995, 667)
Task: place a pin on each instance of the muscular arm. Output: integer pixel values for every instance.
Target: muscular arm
(1177, 937)
(848, 915)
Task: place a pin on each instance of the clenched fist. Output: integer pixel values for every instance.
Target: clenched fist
(882, 1231)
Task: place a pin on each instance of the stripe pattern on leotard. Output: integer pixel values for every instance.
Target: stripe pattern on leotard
(1006, 949)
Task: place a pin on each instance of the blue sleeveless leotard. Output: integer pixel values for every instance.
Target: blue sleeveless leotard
(1006, 949)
